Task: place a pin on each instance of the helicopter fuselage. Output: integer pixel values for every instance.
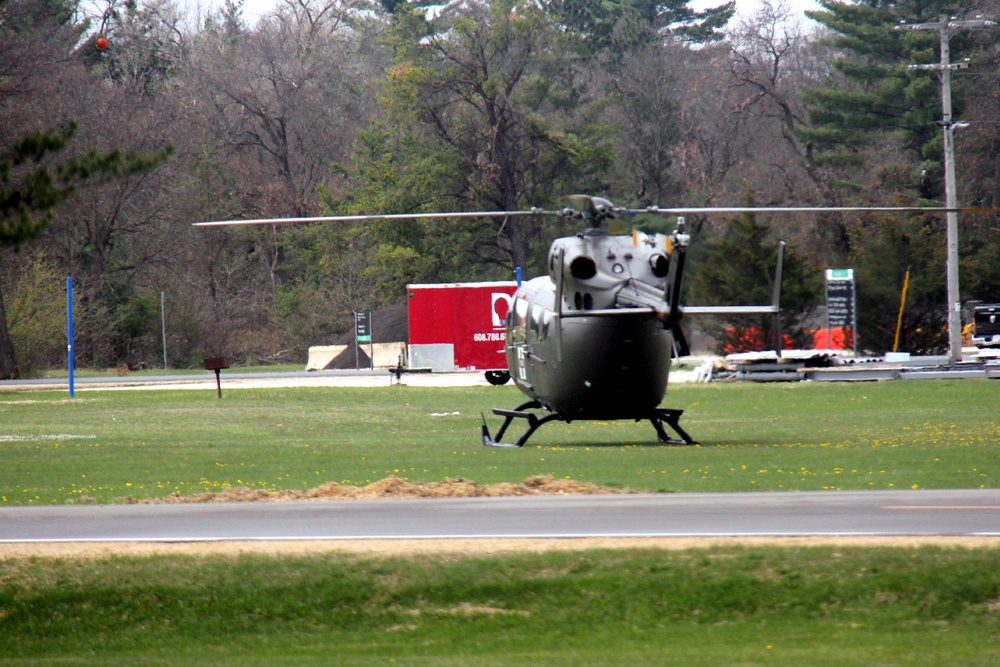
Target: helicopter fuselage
(586, 341)
(610, 367)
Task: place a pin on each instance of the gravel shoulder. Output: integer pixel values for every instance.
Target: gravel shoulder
(381, 548)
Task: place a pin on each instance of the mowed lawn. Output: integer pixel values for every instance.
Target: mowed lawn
(107, 445)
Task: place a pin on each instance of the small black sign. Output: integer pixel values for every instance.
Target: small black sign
(363, 322)
(840, 303)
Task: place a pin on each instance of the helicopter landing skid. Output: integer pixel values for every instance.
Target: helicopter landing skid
(672, 418)
(658, 418)
(517, 413)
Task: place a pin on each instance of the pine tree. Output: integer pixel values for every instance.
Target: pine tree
(613, 26)
(876, 105)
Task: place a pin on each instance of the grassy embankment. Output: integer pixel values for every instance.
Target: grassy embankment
(721, 606)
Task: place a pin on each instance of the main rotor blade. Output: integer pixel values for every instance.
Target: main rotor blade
(654, 210)
(808, 209)
(384, 216)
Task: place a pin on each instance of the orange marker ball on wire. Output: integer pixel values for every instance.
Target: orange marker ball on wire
(102, 43)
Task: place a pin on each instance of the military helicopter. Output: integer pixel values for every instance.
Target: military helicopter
(594, 338)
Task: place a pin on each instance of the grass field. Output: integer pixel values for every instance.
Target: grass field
(106, 445)
(723, 606)
(836, 606)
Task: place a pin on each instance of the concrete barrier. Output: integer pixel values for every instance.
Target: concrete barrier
(321, 355)
(384, 355)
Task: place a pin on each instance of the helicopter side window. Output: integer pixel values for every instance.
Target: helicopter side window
(535, 324)
(521, 320)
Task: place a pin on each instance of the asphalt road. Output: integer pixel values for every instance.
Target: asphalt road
(832, 513)
(236, 379)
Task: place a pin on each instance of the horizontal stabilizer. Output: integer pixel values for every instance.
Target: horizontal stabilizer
(730, 310)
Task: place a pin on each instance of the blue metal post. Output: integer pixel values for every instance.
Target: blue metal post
(69, 331)
(517, 272)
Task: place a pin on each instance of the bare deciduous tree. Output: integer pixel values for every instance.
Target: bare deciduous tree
(769, 66)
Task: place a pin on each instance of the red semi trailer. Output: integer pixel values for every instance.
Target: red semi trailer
(459, 327)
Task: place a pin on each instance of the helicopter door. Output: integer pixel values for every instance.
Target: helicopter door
(520, 338)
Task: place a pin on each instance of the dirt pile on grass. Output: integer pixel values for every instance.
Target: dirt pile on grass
(394, 487)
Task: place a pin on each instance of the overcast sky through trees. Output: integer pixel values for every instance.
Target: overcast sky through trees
(253, 9)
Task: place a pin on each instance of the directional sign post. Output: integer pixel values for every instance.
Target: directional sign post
(363, 327)
(840, 303)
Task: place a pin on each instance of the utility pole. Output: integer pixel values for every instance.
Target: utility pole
(946, 27)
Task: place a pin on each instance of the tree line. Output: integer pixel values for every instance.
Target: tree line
(107, 155)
